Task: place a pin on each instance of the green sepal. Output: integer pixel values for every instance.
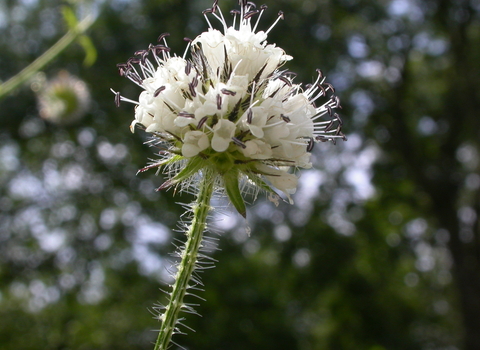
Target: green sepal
(192, 166)
(233, 191)
(258, 181)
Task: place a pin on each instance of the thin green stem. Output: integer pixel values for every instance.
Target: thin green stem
(187, 264)
(46, 57)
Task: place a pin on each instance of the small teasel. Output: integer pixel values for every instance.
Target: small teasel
(62, 100)
(229, 120)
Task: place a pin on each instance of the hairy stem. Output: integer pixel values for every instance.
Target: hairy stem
(187, 264)
(45, 58)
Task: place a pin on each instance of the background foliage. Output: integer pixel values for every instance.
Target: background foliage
(380, 251)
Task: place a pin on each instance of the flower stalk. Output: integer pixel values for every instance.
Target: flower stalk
(188, 264)
(48, 56)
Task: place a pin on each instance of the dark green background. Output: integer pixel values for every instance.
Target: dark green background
(393, 266)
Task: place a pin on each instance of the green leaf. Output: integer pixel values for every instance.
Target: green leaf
(69, 17)
(233, 192)
(90, 50)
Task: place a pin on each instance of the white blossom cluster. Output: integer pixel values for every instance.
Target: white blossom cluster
(230, 98)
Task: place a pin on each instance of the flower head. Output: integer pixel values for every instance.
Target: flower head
(62, 100)
(228, 109)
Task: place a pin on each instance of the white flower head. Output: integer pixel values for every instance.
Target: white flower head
(63, 100)
(227, 106)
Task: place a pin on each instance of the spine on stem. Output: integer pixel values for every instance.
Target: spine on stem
(187, 265)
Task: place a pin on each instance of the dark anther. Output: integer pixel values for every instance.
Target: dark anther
(215, 5)
(158, 91)
(321, 88)
(239, 143)
(320, 73)
(250, 14)
(281, 15)
(187, 40)
(308, 86)
(285, 80)
(163, 35)
(290, 73)
(330, 86)
(133, 60)
(340, 121)
(263, 7)
(160, 48)
(249, 116)
(122, 68)
(228, 92)
(338, 132)
(201, 122)
(117, 99)
(188, 68)
(337, 102)
(219, 101)
(235, 12)
(310, 144)
(209, 10)
(140, 52)
(195, 81)
(192, 90)
(329, 110)
(329, 126)
(251, 4)
(186, 115)
(285, 118)
(321, 138)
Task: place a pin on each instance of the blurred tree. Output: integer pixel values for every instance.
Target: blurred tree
(365, 258)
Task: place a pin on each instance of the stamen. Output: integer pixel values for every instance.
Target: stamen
(117, 99)
(329, 86)
(337, 117)
(285, 80)
(228, 92)
(329, 126)
(158, 91)
(250, 14)
(192, 90)
(219, 102)
(162, 37)
(221, 18)
(285, 118)
(122, 68)
(209, 10)
(280, 16)
(188, 46)
(188, 68)
(201, 122)
(239, 143)
(249, 116)
(310, 144)
(234, 13)
(262, 9)
(186, 115)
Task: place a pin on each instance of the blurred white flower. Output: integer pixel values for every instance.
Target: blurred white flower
(229, 108)
(62, 100)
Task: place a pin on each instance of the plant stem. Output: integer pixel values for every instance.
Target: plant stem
(188, 263)
(45, 58)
